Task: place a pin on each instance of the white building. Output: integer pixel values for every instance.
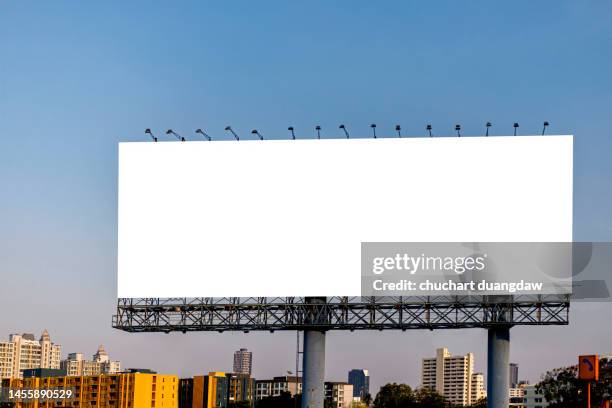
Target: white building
(532, 398)
(453, 377)
(23, 351)
(77, 365)
(243, 361)
(274, 387)
(339, 393)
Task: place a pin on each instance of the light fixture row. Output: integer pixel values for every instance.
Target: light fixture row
(344, 129)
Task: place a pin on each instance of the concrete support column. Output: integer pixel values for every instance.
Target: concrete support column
(313, 388)
(498, 367)
(313, 363)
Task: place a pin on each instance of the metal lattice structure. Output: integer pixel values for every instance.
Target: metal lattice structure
(337, 313)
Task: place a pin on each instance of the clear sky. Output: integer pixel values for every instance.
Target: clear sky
(76, 78)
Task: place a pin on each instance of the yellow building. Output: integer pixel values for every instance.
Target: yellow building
(128, 390)
(210, 391)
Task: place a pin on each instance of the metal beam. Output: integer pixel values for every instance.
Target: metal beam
(338, 313)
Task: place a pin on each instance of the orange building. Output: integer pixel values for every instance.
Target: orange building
(127, 390)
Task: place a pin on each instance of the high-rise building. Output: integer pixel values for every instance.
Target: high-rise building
(101, 391)
(453, 377)
(339, 393)
(514, 375)
(360, 380)
(100, 363)
(23, 351)
(243, 361)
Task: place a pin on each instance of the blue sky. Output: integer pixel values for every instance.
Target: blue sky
(76, 78)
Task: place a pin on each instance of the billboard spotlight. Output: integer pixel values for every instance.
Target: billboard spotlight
(398, 129)
(373, 126)
(458, 129)
(255, 132)
(488, 125)
(172, 132)
(344, 129)
(515, 126)
(148, 132)
(318, 129)
(429, 130)
(544, 128)
(290, 128)
(200, 131)
(229, 129)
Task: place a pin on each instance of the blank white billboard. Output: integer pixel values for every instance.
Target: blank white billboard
(287, 218)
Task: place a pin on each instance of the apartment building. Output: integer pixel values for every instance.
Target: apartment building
(127, 390)
(23, 351)
(453, 377)
(216, 390)
(276, 385)
(339, 393)
(77, 365)
(532, 398)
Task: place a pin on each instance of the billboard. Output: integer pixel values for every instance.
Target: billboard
(288, 217)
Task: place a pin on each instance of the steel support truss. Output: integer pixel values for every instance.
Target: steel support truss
(338, 313)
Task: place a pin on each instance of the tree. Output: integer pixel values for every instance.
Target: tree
(367, 399)
(562, 388)
(426, 397)
(395, 396)
(239, 404)
(284, 400)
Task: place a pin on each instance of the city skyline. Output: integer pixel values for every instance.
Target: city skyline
(102, 356)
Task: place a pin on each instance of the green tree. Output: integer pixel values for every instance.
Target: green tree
(284, 400)
(428, 398)
(239, 404)
(395, 396)
(562, 388)
(367, 399)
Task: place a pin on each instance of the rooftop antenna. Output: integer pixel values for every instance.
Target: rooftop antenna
(148, 132)
(429, 130)
(345, 131)
(373, 126)
(458, 129)
(172, 132)
(398, 129)
(488, 125)
(290, 128)
(318, 129)
(545, 126)
(200, 131)
(515, 126)
(229, 129)
(255, 132)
